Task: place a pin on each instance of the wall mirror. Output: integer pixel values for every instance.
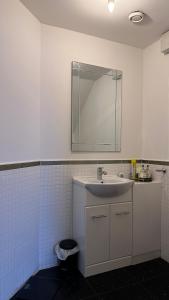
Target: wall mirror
(96, 108)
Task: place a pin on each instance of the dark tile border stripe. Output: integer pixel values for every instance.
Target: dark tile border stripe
(113, 161)
(83, 162)
(12, 166)
(156, 162)
(6, 167)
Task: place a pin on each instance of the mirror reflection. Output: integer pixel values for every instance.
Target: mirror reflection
(96, 108)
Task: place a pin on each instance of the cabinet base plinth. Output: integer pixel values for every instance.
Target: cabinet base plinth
(119, 263)
(107, 266)
(145, 257)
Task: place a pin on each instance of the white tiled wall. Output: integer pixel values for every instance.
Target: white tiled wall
(36, 212)
(19, 221)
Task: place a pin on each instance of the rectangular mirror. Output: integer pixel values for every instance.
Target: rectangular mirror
(96, 108)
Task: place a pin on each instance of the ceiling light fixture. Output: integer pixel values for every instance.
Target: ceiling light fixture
(111, 4)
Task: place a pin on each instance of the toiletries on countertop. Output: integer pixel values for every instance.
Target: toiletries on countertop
(140, 172)
(145, 174)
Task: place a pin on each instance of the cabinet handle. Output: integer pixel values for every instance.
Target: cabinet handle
(122, 213)
(163, 170)
(99, 217)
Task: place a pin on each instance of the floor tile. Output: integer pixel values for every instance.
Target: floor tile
(130, 293)
(147, 281)
(38, 289)
(75, 287)
(158, 287)
(109, 281)
(148, 270)
(53, 273)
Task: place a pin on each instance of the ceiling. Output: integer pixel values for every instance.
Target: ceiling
(92, 17)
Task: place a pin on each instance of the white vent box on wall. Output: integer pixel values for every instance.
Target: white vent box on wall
(165, 43)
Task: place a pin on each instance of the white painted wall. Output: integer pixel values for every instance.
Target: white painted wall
(20, 87)
(19, 83)
(59, 48)
(155, 103)
(19, 141)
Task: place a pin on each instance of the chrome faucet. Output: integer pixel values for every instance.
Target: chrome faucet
(100, 173)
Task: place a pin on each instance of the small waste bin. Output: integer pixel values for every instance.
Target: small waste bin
(67, 254)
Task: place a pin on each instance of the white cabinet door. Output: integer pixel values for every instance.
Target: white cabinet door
(120, 230)
(146, 217)
(97, 234)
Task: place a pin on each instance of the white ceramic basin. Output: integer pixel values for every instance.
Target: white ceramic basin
(110, 186)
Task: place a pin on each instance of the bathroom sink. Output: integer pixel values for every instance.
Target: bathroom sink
(110, 186)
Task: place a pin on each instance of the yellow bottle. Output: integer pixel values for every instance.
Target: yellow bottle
(133, 169)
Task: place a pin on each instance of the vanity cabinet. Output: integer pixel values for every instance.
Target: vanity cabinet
(103, 229)
(146, 220)
(117, 231)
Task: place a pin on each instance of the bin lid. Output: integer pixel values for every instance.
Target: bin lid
(67, 244)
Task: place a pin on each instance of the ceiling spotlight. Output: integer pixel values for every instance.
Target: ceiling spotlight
(111, 4)
(136, 16)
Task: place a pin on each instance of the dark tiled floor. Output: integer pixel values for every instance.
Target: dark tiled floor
(147, 281)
